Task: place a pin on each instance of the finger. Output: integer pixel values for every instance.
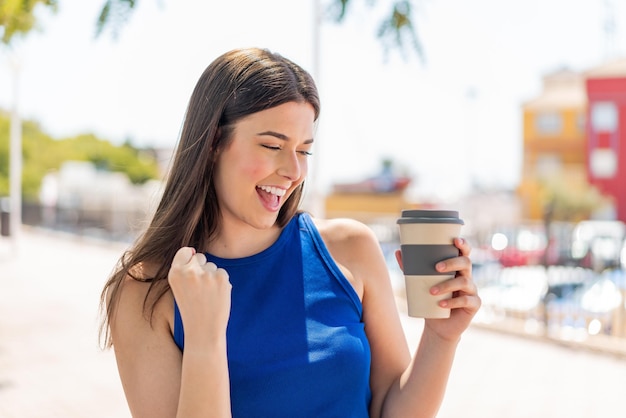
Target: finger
(463, 245)
(453, 264)
(210, 267)
(457, 284)
(200, 258)
(222, 274)
(183, 256)
(471, 302)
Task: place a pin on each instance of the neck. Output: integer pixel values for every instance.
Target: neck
(242, 240)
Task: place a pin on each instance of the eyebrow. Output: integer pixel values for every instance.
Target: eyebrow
(282, 136)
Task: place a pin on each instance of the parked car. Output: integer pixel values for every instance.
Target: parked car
(599, 244)
(521, 245)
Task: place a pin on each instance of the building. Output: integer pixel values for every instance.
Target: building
(606, 134)
(554, 141)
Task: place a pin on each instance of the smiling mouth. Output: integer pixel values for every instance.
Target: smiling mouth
(271, 196)
(273, 190)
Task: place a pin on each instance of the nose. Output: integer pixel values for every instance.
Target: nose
(291, 166)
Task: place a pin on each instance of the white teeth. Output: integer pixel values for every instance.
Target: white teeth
(273, 190)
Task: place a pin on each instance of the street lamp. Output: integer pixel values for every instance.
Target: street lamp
(313, 199)
(15, 158)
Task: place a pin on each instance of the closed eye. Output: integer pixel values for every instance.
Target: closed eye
(278, 148)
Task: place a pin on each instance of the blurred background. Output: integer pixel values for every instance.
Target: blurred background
(512, 113)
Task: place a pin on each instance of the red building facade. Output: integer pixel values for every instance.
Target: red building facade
(606, 131)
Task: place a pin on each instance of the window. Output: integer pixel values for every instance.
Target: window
(548, 165)
(604, 117)
(549, 123)
(603, 163)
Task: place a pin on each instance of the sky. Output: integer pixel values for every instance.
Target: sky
(452, 121)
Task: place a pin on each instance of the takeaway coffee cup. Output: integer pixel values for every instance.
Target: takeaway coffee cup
(426, 237)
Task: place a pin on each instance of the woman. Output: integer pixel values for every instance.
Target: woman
(235, 303)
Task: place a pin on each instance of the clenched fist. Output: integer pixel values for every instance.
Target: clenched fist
(202, 292)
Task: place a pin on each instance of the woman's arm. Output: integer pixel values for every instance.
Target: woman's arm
(159, 380)
(405, 386)
(422, 386)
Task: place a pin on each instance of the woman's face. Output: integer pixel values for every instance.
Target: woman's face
(263, 164)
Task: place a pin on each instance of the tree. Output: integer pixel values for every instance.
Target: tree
(571, 202)
(43, 154)
(113, 15)
(17, 17)
(397, 30)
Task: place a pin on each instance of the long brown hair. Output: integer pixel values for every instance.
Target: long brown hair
(236, 84)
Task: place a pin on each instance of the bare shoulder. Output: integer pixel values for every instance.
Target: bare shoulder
(355, 249)
(344, 231)
(132, 312)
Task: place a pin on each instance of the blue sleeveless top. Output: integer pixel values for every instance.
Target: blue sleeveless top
(295, 339)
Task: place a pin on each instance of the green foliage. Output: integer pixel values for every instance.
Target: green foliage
(396, 30)
(339, 8)
(113, 15)
(42, 153)
(18, 17)
(4, 154)
(571, 203)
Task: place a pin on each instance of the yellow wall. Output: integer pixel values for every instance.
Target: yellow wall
(571, 127)
(568, 147)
